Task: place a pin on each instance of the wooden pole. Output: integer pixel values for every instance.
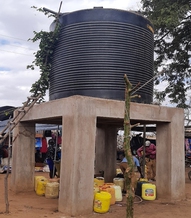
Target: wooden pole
(144, 136)
(130, 179)
(56, 148)
(7, 173)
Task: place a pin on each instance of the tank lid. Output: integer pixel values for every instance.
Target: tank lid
(98, 7)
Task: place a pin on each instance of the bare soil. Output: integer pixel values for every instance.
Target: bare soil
(30, 205)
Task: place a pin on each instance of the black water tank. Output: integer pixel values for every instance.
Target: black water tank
(96, 48)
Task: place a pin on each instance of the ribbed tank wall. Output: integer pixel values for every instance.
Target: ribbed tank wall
(96, 48)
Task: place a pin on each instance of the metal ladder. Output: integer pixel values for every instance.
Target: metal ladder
(22, 111)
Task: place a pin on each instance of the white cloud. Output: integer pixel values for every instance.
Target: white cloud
(17, 23)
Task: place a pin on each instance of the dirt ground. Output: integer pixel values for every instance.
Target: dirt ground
(30, 205)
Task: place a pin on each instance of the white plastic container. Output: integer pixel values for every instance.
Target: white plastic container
(118, 193)
(119, 181)
(52, 190)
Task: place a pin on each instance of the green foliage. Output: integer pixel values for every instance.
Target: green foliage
(43, 57)
(172, 24)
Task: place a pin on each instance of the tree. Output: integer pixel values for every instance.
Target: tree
(187, 114)
(43, 57)
(172, 25)
(130, 178)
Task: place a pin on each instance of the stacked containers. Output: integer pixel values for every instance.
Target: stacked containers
(108, 187)
(98, 181)
(120, 182)
(114, 190)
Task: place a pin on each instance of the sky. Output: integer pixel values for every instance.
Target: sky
(18, 20)
(17, 23)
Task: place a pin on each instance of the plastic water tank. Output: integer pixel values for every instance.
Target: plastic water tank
(96, 48)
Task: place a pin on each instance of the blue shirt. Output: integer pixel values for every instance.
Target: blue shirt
(136, 161)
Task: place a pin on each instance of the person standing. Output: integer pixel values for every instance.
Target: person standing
(50, 158)
(44, 148)
(150, 159)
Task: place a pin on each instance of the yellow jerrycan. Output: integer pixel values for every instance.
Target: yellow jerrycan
(102, 202)
(98, 181)
(41, 187)
(148, 191)
(36, 178)
(109, 187)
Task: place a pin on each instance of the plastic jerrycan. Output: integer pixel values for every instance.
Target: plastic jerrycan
(120, 182)
(148, 191)
(52, 190)
(41, 186)
(102, 202)
(99, 181)
(36, 178)
(118, 193)
(108, 187)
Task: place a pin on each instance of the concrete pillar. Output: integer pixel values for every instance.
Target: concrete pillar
(23, 157)
(77, 164)
(170, 171)
(110, 153)
(100, 164)
(163, 160)
(106, 145)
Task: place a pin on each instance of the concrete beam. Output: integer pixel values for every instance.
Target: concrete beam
(101, 108)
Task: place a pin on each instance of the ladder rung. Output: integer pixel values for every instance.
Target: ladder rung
(26, 102)
(21, 110)
(12, 122)
(32, 98)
